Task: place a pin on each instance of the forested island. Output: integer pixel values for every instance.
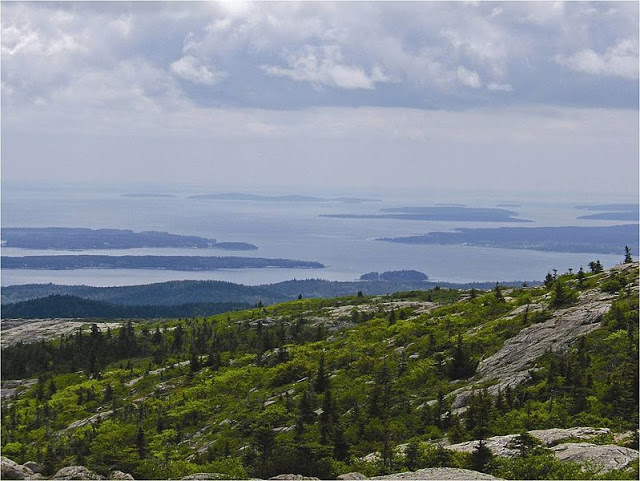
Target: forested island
(604, 240)
(175, 263)
(625, 212)
(76, 238)
(439, 213)
(395, 276)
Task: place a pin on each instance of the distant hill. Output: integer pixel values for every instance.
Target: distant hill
(178, 293)
(65, 306)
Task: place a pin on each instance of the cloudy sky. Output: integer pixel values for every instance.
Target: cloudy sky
(511, 96)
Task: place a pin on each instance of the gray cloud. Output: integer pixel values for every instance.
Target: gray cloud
(486, 49)
(110, 90)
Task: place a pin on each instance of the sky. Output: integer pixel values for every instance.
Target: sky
(310, 96)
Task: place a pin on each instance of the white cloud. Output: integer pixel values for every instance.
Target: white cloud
(620, 60)
(25, 39)
(190, 68)
(468, 77)
(498, 87)
(324, 66)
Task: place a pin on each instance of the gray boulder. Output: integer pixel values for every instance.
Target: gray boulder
(499, 445)
(353, 475)
(76, 472)
(603, 457)
(553, 436)
(12, 470)
(33, 466)
(120, 475)
(205, 476)
(438, 473)
(294, 476)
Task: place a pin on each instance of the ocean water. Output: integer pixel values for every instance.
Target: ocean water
(287, 230)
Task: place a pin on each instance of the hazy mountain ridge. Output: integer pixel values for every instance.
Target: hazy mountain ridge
(174, 293)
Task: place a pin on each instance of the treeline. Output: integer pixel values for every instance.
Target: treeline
(195, 292)
(64, 306)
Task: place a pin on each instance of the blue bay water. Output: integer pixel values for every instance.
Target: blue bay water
(285, 230)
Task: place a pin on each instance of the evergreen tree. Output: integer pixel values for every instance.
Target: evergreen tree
(141, 443)
(461, 366)
(412, 454)
(627, 255)
(194, 362)
(327, 416)
(305, 408)
(177, 338)
(595, 267)
(524, 443)
(392, 317)
(481, 457)
(340, 444)
(322, 379)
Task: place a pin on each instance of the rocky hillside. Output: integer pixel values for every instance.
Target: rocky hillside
(533, 382)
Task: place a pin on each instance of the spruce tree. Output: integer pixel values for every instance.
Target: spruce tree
(322, 379)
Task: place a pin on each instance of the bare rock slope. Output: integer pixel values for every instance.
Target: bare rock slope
(511, 365)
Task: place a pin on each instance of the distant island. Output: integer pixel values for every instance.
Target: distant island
(234, 246)
(148, 195)
(508, 205)
(75, 238)
(624, 212)
(395, 276)
(609, 207)
(440, 213)
(605, 240)
(623, 216)
(280, 198)
(175, 263)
